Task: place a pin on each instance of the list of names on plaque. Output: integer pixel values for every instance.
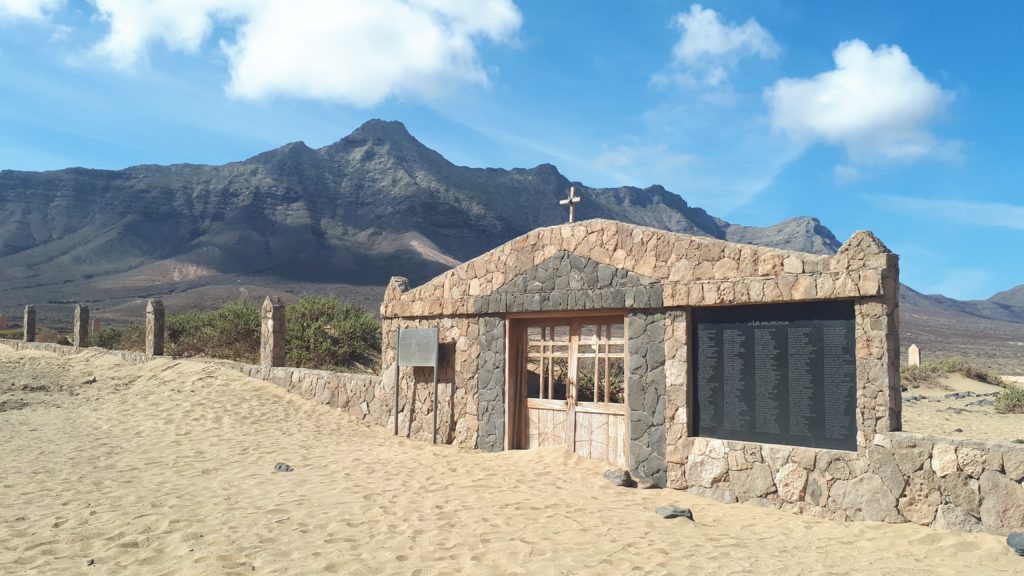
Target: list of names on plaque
(839, 379)
(707, 383)
(736, 410)
(801, 386)
(766, 380)
(779, 373)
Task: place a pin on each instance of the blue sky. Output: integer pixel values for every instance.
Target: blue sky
(901, 118)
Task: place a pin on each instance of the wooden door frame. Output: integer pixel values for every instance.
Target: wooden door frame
(516, 325)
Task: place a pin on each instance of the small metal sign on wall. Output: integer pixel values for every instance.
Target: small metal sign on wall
(416, 347)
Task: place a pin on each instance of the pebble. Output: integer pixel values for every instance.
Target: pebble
(1016, 542)
(620, 478)
(282, 467)
(669, 512)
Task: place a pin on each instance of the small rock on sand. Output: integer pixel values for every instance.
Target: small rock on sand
(282, 467)
(1016, 542)
(668, 512)
(620, 478)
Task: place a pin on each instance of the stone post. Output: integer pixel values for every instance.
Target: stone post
(30, 324)
(96, 326)
(81, 335)
(913, 355)
(272, 335)
(155, 327)
(3, 322)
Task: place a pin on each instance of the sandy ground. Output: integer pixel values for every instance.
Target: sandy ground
(167, 469)
(971, 417)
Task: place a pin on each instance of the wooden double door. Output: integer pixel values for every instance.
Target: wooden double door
(571, 382)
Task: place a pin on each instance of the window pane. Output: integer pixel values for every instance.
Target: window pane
(616, 379)
(615, 349)
(588, 332)
(585, 379)
(617, 331)
(559, 378)
(533, 334)
(560, 333)
(533, 377)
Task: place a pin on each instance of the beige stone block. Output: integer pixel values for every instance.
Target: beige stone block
(737, 461)
(726, 268)
(755, 288)
(769, 264)
(785, 284)
(971, 460)
(792, 265)
(705, 270)
(944, 459)
(705, 470)
(804, 288)
(790, 482)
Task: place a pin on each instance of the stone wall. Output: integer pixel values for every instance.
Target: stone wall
(458, 398)
(492, 385)
(62, 350)
(646, 396)
(593, 264)
(963, 485)
(365, 397)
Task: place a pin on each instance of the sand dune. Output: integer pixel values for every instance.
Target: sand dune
(167, 469)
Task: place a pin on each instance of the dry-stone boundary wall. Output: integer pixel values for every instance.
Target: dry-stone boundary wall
(953, 484)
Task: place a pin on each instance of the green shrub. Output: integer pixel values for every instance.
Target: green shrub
(1011, 400)
(127, 337)
(930, 372)
(322, 332)
(231, 332)
(51, 336)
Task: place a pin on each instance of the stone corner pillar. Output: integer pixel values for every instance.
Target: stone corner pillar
(81, 334)
(271, 335)
(646, 373)
(155, 327)
(29, 324)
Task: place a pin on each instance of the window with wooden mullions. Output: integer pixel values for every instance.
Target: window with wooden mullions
(600, 363)
(584, 360)
(547, 362)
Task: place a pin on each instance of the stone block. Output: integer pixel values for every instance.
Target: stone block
(944, 459)
(950, 517)
(756, 482)
(867, 497)
(790, 482)
(971, 460)
(1002, 503)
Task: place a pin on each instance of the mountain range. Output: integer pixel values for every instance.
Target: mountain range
(342, 218)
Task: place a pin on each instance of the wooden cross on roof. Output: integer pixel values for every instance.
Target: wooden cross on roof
(572, 200)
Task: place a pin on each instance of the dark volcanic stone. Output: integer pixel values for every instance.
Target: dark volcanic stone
(669, 512)
(620, 478)
(1016, 542)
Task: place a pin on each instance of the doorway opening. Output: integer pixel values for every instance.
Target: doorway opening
(568, 385)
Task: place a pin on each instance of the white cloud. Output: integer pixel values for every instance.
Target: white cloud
(845, 174)
(969, 212)
(708, 48)
(28, 9)
(339, 50)
(875, 104)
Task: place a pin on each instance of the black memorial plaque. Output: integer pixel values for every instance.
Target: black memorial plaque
(777, 374)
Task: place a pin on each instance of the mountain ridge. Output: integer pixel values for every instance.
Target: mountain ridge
(344, 217)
